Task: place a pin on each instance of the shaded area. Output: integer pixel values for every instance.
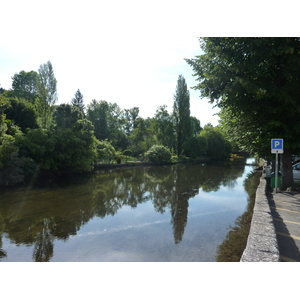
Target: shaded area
(288, 247)
(235, 242)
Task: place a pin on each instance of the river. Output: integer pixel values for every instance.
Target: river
(146, 213)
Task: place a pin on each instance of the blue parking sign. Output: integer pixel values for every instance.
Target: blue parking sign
(277, 145)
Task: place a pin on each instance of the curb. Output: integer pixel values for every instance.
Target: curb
(262, 245)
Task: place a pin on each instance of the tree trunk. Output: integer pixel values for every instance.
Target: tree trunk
(286, 169)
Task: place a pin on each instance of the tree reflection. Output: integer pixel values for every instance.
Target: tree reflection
(39, 216)
(235, 242)
(43, 248)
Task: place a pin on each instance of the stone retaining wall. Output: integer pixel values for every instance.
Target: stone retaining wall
(262, 243)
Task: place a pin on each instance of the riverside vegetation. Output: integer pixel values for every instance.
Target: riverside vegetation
(39, 136)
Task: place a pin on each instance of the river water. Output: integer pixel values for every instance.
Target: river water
(145, 213)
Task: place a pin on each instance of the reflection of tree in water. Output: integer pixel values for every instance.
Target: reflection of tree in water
(2, 252)
(45, 215)
(43, 248)
(235, 242)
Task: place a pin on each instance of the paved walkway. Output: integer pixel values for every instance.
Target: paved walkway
(285, 209)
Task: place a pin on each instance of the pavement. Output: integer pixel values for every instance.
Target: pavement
(285, 210)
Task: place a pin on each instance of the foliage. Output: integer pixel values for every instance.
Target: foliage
(163, 126)
(105, 150)
(143, 137)
(24, 85)
(13, 168)
(47, 93)
(197, 147)
(159, 154)
(216, 147)
(256, 81)
(181, 112)
(78, 100)
(131, 116)
(68, 147)
(22, 113)
(108, 122)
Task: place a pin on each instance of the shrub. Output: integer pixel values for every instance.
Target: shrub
(159, 154)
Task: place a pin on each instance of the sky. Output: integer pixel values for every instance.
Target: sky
(125, 52)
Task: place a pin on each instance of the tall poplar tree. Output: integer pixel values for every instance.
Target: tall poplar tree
(47, 93)
(181, 112)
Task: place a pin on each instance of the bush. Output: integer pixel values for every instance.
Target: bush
(159, 154)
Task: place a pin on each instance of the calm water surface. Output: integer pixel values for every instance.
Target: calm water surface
(145, 213)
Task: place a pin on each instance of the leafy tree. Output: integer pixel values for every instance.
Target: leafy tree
(159, 154)
(22, 113)
(197, 146)
(24, 85)
(131, 116)
(195, 126)
(181, 112)
(216, 148)
(105, 150)
(70, 145)
(164, 127)
(142, 137)
(256, 80)
(66, 115)
(78, 100)
(97, 114)
(108, 122)
(47, 93)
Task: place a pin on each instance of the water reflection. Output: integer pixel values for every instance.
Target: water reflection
(39, 216)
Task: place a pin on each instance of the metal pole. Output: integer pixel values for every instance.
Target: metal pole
(276, 172)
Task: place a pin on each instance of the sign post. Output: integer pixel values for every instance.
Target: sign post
(276, 147)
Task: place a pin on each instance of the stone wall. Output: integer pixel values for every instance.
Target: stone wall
(262, 243)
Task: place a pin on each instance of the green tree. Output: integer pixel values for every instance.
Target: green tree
(24, 85)
(78, 100)
(164, 127)
(105, 150)
(142, 137)
(131, 116)
(22, 113)
(256, 80)
(159, 154)
(69, 146)
(47, 93)
(216, 147)
(181, 112)
(97, 114)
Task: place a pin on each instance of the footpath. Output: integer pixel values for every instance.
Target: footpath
(285, 209)
(275, 227)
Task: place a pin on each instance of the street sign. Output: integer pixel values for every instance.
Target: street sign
(277, 146)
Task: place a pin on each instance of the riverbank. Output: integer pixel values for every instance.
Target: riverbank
(127, 164)
(262, 243)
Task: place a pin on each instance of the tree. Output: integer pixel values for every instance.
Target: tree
(216, 148)
(24, 85)
(181, 112)
(256, 81)
(22, 113)
(131, 116)
(78, 100)
(47, 93)
(164, 127)
(97, 114)
(159, 154)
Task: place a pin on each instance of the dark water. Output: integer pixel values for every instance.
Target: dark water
(165, 213)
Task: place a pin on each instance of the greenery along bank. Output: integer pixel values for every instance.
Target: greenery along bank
(36, 134)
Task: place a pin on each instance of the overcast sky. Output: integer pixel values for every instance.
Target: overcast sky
(128, 52)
